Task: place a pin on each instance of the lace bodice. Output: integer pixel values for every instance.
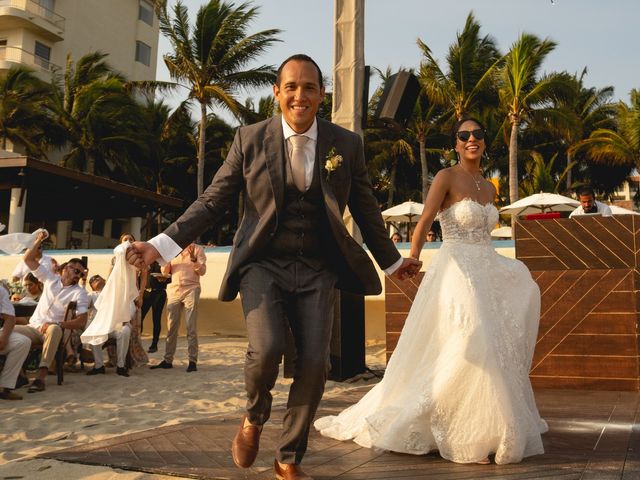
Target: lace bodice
(468, 221)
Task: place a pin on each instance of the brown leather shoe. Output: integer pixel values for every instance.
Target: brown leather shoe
(288, 471)
(245, 445)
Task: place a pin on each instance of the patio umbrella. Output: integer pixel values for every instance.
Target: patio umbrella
(621, 211)
(501, 232)
(405, 212)
(541, 203)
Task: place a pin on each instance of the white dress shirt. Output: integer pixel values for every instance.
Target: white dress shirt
(309, 148)
(55, 298)
(603, 209)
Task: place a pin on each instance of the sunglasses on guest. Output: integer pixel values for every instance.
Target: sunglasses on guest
(77, 271)
(465, 135)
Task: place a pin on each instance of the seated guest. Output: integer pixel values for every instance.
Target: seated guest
(13, 345)
(47, 322)
(22, 269)
(115, 308)
(32, 290)
(589, 204)
(122, 336)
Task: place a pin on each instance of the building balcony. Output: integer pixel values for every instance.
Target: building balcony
(33, 16)
(12, 56)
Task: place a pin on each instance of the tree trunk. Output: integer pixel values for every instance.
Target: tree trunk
(201, 143)
(392, 184)
(569, 179)
(513, 162)
(425, 169)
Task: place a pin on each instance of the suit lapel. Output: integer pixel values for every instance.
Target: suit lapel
(326, 140)
(275, 160)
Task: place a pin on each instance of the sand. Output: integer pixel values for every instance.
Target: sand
(90, 408)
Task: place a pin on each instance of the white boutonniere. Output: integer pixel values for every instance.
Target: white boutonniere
(332, 162)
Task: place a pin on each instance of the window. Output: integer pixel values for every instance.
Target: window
(42, 55)
(143, 53)
(145, 13)
(48, 4)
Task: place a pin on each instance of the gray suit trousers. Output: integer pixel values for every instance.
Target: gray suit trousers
(277, 296)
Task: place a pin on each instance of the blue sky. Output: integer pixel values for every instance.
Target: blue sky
(596, 34)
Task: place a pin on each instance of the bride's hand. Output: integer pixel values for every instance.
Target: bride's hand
(408, 269)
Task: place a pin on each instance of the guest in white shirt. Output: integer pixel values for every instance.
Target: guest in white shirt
(46, 324)
(13, 345)
(22, 269)
(589, 204)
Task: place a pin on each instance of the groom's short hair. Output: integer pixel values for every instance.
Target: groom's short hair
(301, 57)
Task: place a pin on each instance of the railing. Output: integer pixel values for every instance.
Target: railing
(32, 6)
(18, 55)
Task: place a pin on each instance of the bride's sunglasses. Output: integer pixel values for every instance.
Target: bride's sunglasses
(465, 135)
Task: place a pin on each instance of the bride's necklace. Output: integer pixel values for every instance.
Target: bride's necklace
(477, 181)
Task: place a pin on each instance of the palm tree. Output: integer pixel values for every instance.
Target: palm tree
(423, 124)
(23, 120)
(582, 111)
(540, 175)
(210, 59)
(100, 118)
(620, 145)
(471, 62)
(523, 95)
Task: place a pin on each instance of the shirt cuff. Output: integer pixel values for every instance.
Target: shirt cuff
(166, 247)
(391, 270)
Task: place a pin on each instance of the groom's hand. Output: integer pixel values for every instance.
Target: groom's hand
(140, 254)
(408, 269)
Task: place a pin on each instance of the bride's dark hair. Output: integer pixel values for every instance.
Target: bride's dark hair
(457, 125)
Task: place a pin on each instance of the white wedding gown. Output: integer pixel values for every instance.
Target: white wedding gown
(458, 380)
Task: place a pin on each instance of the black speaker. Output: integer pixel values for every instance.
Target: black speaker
(347, 338)
(398, 99)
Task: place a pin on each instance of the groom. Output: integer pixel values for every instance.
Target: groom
(291, 250)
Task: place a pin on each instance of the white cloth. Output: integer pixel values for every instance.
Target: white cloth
(603, 209)
(55, 298)
(458, 380)
(115, 304)
(14, 243)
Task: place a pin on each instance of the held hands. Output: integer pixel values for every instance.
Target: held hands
(408, 269)
(141, 254)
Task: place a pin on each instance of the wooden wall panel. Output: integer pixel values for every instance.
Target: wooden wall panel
(589, 279)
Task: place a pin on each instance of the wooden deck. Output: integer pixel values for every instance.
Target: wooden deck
(592, 435)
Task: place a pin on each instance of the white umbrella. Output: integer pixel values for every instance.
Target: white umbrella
(616, 210)
(501, 232)
(541, 203)
(405, 212)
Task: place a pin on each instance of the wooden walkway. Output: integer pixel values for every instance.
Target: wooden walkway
(592, 435)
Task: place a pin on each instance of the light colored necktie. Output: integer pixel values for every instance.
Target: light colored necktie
(298, 160)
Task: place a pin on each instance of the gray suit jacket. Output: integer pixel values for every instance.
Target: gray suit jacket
(256, 163)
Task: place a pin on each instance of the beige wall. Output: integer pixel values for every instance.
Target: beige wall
(109, 26)
(226, 317)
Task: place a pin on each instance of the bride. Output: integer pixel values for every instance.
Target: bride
(458, 381)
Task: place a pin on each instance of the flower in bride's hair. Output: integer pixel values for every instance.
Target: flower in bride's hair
(332, 161)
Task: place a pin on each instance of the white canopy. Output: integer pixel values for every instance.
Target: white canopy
(501, 232)
(541, 203)
(405, 212)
